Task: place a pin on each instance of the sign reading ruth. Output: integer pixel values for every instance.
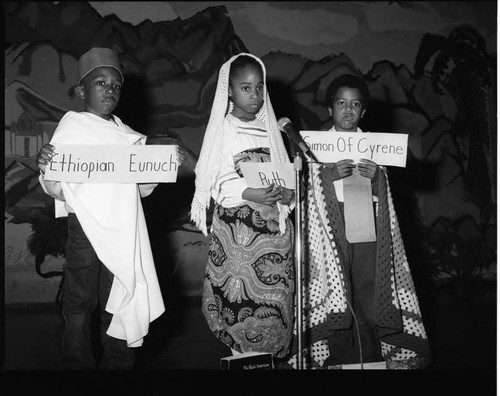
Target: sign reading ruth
(263, 174)
(382, 148)
(113, 164)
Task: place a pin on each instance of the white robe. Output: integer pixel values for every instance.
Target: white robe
(112, 217)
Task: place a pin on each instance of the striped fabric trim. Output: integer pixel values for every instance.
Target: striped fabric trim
(224, 179)
(252, 130)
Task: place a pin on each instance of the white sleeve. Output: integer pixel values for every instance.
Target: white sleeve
(52, 188)
(229, 186)
(146, 189)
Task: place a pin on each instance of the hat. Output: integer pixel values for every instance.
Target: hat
(97, 57)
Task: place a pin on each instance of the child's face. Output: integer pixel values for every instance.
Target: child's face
(347, 109)
(247, 92)
(101, 90)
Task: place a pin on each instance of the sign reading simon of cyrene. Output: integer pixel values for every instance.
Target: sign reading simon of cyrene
(382, 148)
(114, 164)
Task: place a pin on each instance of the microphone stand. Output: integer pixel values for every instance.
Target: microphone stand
(297, 166)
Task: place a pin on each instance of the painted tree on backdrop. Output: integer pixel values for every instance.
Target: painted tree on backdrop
(460, 65)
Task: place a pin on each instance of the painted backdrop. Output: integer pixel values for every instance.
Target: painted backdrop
(430, 67)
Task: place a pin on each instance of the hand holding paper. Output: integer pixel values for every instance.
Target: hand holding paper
(368, 168)
(264, 196)
(287, 196)
(261, 176)
(341, 169)
(44, 156)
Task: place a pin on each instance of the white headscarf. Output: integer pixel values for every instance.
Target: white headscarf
(210, 159)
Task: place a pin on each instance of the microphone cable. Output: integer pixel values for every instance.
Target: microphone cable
(357, 328)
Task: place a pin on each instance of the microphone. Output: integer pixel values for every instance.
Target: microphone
(286, 126)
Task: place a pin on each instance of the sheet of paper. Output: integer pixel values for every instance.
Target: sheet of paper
(358, 209)
(113, 164)
(262, 174)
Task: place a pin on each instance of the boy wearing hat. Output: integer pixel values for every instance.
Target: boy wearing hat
(108, 255)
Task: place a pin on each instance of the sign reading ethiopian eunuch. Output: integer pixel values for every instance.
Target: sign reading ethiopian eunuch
(113, 164)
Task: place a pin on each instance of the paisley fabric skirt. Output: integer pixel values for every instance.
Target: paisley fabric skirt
(248, 290)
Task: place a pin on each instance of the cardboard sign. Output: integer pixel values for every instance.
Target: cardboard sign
(263, 174)
(382, 148)
(113, 164)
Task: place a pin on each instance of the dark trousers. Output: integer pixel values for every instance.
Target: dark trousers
(344, 344)
(87, 283)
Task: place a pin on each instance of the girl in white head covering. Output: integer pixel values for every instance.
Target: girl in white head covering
(249, 282)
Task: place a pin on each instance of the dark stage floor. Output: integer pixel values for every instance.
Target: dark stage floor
(461, 331)
(180, 348)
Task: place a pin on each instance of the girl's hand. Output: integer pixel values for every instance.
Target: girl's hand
(266, 196)
(341, 169)
(368, 169)
(44, 156)
(287, 196)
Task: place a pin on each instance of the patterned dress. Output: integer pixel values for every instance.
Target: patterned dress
(248, 291)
